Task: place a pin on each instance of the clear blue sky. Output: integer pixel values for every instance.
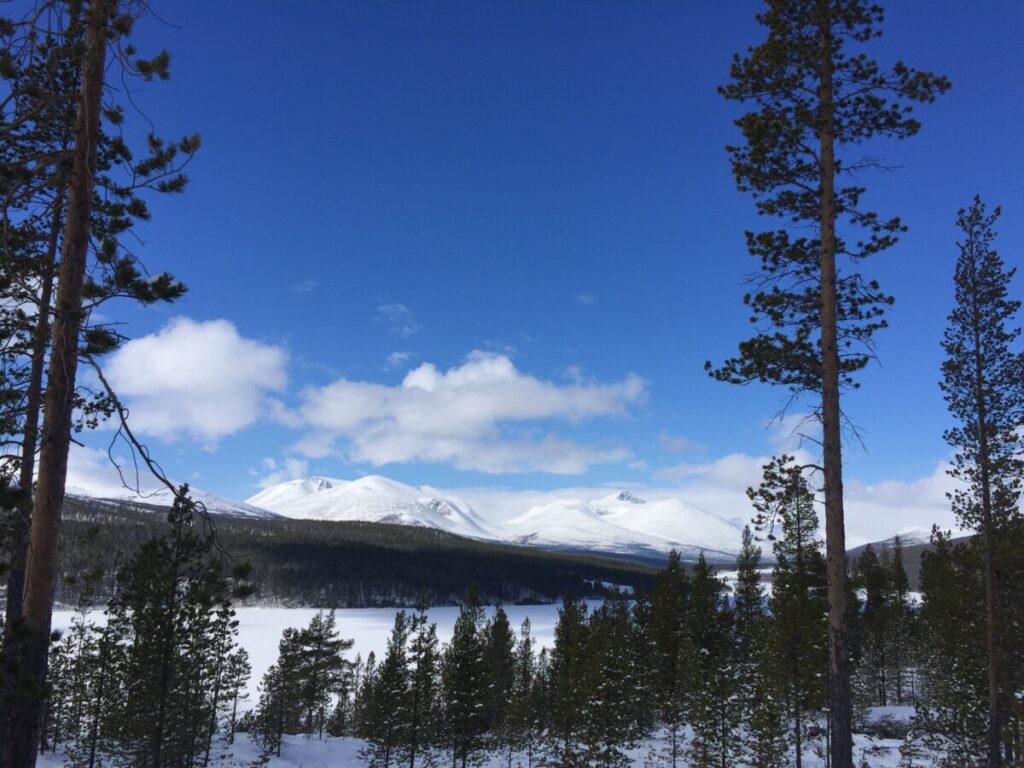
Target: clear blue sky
(544, 180)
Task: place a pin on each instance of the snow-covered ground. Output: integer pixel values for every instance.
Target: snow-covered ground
(310, 752)
(259, 629)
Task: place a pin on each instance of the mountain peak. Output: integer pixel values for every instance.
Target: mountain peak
(629, 498)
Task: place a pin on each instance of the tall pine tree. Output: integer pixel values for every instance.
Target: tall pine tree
(983, 383)
(815, 95)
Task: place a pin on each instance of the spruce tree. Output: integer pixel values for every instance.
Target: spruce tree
(983, 384)
(815, 95)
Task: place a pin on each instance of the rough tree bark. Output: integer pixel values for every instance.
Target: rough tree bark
(840, 709)
(41, 564)
(33, 404)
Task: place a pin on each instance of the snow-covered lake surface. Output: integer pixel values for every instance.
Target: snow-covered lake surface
(259, 629)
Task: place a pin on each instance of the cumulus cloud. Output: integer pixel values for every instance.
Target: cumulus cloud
(197, 379)
(275, 471)
(398, 319)
(483, 415)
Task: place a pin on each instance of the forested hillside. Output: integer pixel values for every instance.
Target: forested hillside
(343, 564)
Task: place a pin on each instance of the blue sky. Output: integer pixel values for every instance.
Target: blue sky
(464, 182)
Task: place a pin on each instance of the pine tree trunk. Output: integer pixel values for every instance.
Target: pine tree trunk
(840, 710)
(41, 564)
(994, 735)
(30, 439)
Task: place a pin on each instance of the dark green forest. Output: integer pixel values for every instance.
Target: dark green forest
(342, 564)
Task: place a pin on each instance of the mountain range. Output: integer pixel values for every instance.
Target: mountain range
(620, 523)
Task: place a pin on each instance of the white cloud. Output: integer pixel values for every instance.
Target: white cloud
(678, 443)
(197, 379)
(873, 511)
(397, 360)
(305, 286)
(398, 318)
(280, 471)
(91, 472)
(587, 297)
(482, 415)
(791, 431)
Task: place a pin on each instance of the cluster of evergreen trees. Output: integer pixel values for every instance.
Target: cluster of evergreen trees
(729, 676)
(157, 681)
(723, 674)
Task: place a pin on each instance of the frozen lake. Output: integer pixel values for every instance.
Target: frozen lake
(259, 629)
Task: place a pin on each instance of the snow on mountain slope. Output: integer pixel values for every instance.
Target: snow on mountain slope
(164, 498)
(624, 523)
(373, 499)
(620, 522)
(682, 524)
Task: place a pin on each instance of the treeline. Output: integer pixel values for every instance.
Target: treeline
(723, 675)
(343, 564)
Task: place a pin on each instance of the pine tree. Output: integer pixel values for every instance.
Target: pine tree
(983, 386)
(749, 597)
(384, 697)
(524, 718)
(464, 680)
(713, 710)
(174, 607)
(97, 34)
(283, 695)
(953, 719)
(610, 685)
(814, 96)
(236, 678)
(566, 681)
(642, 651)
(500, 663)
(799, 602)
(668, 621)
(902, 621)
(762, 743)
(424, 708)
(323, 672)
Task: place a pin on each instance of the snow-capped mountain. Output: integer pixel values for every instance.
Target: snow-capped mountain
(620, 522)
(163, 498)
(625, 523)
(373, 499)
